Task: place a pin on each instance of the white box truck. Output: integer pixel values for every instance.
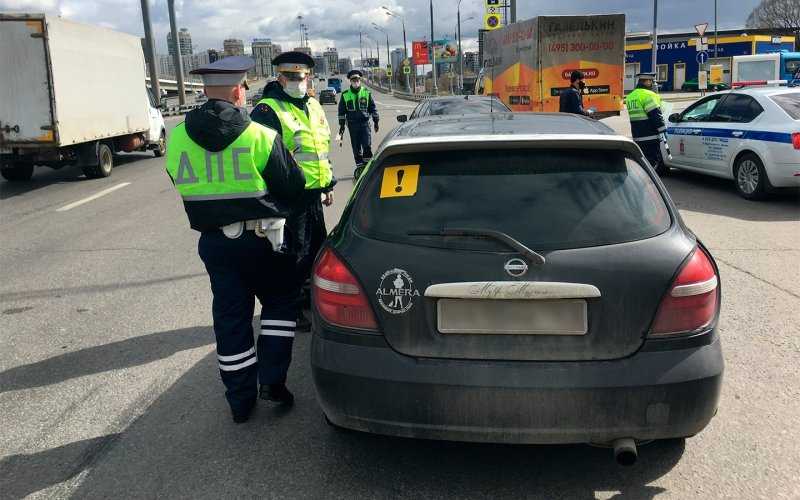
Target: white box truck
(71, 94)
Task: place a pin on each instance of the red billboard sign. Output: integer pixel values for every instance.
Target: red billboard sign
(421, 52)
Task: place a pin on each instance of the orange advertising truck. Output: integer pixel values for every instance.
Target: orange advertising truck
(528, 64)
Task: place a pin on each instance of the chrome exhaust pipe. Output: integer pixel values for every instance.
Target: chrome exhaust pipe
(625, 452)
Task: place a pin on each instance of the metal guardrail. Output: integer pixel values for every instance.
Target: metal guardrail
(178, 110)
(400, 95)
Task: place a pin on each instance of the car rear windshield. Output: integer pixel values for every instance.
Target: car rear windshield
(466, 106)
(789, 103)
(546, 199)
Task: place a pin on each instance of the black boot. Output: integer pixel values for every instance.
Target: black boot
(277, 393)
(242, 415)
(303, 324)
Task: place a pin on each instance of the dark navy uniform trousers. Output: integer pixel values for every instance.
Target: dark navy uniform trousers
(240, 271)
(361, 140)
(652, 151)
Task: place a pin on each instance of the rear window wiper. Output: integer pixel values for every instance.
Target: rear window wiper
(500, 236)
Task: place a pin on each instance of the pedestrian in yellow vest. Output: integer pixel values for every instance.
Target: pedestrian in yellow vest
(300, 120)
(238, 184)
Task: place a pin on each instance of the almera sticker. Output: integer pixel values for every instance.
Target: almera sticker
(396, 291)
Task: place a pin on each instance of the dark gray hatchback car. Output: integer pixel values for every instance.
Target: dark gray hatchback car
(520, 278)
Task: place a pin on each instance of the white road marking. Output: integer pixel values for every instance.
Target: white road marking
(92, 197)
(395, 105)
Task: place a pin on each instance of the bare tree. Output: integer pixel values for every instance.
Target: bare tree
(776, 14)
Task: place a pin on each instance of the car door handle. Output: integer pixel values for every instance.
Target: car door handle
(737, 133)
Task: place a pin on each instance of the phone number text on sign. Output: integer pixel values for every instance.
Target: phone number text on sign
(580, 46)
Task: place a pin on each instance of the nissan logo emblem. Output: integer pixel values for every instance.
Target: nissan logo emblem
(516, 267)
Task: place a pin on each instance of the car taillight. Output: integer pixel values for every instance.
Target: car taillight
(796, 140)
(338, 297)
(691, 302)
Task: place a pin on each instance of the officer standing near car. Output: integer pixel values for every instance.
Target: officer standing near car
(356, 107)
(571, 98)
(238, 184)
(300, 120)
(647, 121)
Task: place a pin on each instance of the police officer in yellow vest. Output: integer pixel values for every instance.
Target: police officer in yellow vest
(356, 107)
(300, 120)
(239, 184)
(647, 121)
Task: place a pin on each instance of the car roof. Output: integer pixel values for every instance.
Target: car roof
(503, 131)
(501, 124)
(764, 90)
(462, 98)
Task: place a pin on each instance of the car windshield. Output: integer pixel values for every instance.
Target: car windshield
(789, 103)
(466, 106)
(545, 199)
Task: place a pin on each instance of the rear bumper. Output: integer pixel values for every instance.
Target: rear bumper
(651, 395)
(784, 174)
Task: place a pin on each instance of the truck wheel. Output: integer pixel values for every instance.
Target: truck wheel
(751, 179)
(162, 145)
(16, 173)
(104, 164)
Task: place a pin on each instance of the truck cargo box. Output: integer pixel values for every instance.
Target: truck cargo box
(527, 64)
(65, 83)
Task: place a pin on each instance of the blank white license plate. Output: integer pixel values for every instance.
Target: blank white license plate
(512, 317)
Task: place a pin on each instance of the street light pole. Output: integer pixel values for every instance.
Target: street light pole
(151, 51)
(361, 48)
(177, 60)
(655, 35)
(716, 35)
(460, 54)
(405, 42)
(388, 57)
(433, 55)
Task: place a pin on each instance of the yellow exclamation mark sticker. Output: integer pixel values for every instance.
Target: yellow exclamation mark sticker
(399, 181)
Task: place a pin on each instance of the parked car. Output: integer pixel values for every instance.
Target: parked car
(519, 278)
(327, 96)
(693, 86)
(456, 105)
(750, 135)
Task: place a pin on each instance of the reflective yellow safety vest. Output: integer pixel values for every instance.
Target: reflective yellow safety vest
(353, 100)
(219, 188)
(307, 137)
(640, 102)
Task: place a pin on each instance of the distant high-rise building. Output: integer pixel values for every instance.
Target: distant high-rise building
(166, 66)
(345, 65)
(320, 64)
(213, 55)
(264, 51)
(481, 51)
(471, 62)
(397, 59)
(332, 59)
(232, 47)
(185, 41)
(304, 50)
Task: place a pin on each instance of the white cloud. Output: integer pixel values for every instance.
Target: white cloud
(338, 23)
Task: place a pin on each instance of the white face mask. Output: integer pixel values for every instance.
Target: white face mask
(296, 89)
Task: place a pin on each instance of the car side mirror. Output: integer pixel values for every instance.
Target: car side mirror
(402, 118)
(675, 117)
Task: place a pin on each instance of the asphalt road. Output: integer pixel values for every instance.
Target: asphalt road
(109, 387)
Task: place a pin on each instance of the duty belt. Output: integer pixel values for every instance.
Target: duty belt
(271, 228)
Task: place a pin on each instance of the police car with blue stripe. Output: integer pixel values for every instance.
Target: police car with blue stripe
(749, 134)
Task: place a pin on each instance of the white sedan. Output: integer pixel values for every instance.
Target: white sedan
(750, 135)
